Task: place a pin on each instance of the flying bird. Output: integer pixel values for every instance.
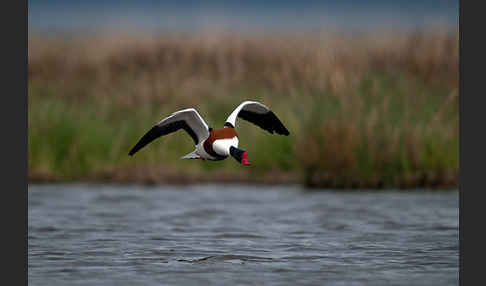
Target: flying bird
(214, 144)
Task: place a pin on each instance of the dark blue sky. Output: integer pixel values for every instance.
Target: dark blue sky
(58, 14)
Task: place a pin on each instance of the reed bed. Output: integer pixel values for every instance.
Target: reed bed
(364, 109)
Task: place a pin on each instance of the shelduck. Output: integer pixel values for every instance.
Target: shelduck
(214, 144)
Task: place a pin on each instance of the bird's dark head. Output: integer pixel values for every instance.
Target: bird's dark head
(239, 155)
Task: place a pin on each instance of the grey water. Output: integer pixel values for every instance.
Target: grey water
(87, 234)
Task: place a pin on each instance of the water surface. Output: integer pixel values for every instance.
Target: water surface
(247, 235)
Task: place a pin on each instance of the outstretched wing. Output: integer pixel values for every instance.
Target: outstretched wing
(259, 115)
(187, 119)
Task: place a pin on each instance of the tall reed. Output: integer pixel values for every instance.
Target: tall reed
(364, 109)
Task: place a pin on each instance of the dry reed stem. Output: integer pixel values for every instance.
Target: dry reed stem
(193, 64)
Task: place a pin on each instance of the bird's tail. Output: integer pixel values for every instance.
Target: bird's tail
(192, 155)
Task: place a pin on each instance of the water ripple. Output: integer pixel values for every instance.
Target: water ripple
(226, 235)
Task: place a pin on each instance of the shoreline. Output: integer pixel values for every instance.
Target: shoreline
(165, 177)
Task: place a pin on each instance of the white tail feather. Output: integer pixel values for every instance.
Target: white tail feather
(192, 155)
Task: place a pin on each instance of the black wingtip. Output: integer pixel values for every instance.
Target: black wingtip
(135, 149)
(151, 135)
(132, 152)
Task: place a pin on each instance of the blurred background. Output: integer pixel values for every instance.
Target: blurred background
(368, 89)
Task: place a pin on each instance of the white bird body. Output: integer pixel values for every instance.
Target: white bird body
(222, 146)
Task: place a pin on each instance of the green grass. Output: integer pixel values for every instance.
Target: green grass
(384, 137)
(371, 137)
(76, 140)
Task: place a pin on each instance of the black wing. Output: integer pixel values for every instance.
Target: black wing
(268, 121)
(158, 131)
(258, 114)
